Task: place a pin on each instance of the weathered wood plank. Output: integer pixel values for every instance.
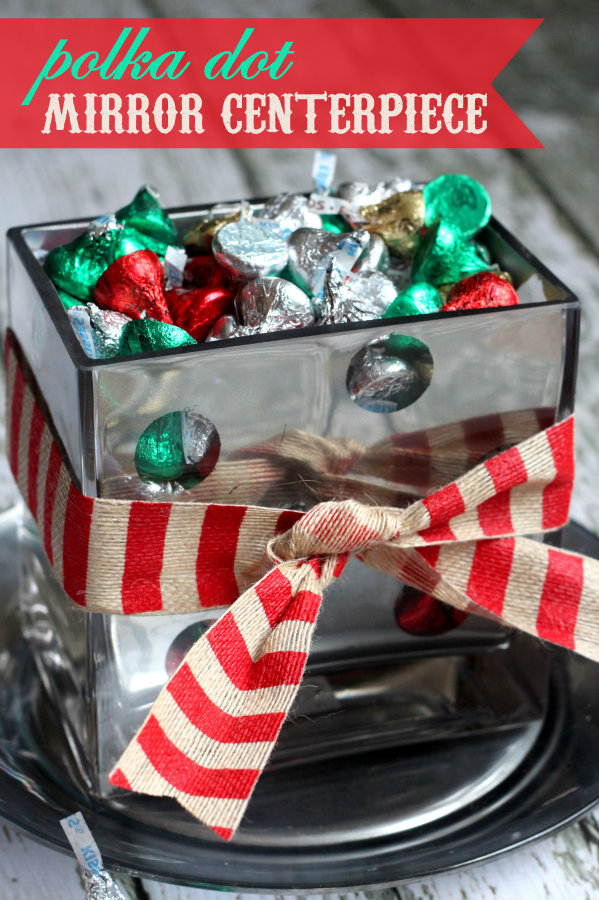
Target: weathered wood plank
(565, 867)
(29, 871)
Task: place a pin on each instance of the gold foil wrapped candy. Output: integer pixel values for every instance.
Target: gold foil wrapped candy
(398, 220)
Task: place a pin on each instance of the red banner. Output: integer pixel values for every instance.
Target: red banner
(259, 83)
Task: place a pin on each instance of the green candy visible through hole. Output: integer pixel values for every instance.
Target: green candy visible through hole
(181, 446)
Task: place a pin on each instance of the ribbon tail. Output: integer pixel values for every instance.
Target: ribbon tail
(214, 725)
(550, 593)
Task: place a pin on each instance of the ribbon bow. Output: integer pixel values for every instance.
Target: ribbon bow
(213, 726)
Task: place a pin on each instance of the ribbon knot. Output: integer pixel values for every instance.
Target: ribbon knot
(336, 528)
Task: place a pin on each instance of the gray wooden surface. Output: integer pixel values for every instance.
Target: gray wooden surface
(548, 198)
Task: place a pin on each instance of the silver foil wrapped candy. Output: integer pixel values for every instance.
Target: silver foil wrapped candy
(389, 373)
(355, 297)
(223, 328)
(287, 213)
(311, 249)
(107, 325)
(249, 250)
(273, 304)
(358, 193)
(375, 256)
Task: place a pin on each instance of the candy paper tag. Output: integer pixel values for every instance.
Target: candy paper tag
(323, 170)
(348, 251)
(79, 319)
(174, 265)
(326, 205)
(82, 842)
(102, 225)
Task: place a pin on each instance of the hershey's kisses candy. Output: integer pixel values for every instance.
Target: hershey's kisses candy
(76, 267)
(100, 885)
(486, 289)
(223, 329)
(360, 193)
(273, 304)
(133, 285)
(311, 249)
(146, 215)
(415, 300)
(334, 224)
(67, 300)
(445, 257)
(389, 373)
(197, 309)
(420, 613)
(248, 250)
(204, 271)
(355, 297)
(459, 201)
(180, 446)
(130, 240)
(308, 247)
(375, 256)
(288, 212)
(146, 335)
(199, 239)
(108, 326)
(398, 220)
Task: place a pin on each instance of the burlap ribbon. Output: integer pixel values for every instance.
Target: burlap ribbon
(212, 729)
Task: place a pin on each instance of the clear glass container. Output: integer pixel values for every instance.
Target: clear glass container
(497, 376)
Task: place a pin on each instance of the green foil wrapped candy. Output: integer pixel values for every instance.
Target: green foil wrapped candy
(334, 224)
(145, 335)
(181, 446)
(444, 257)
(146, 215)
(76, 267)
(417, 299)
(459, 201)
(131, 240)
(67, 300)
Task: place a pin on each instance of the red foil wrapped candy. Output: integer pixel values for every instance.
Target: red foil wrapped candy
(204, 271)
(481, 291)
(134, 285)
(197, 309)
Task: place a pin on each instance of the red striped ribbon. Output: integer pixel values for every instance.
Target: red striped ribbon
(211, 730)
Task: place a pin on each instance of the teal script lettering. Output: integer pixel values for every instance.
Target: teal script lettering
(125, 60)
(223, 63)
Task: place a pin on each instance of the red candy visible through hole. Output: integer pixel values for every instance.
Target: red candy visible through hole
(421, 614)
(197, 309)
(480, 291)
(134, 285)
